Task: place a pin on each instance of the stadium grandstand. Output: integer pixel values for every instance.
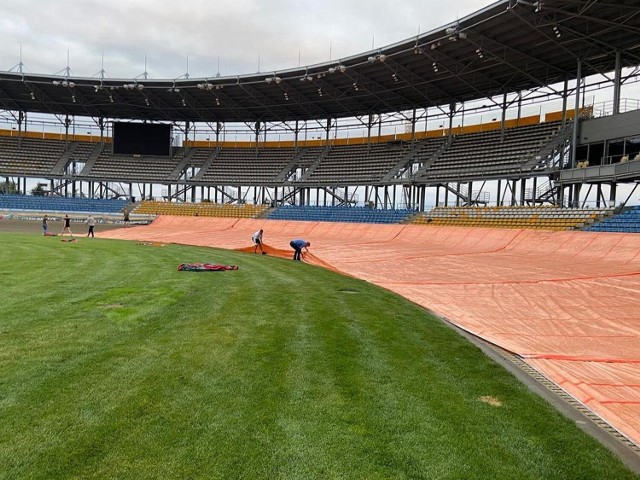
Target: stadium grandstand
(488, 124)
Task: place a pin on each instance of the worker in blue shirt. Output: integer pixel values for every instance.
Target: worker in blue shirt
(298, 245)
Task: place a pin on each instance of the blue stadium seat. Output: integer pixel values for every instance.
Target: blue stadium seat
(339, 214)
(628, 221)
(61, 204)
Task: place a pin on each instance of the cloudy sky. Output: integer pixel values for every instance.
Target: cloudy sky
(236, 33)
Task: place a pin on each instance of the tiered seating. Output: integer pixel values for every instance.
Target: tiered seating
(358, 164)
(308, 157)
(143, 168)
(339, 214)
(200, 155)
(476, 155)
(204, 209)
(425, 148)
(247, 166)
(627, 221)
(547, 218)
(82, 151)
(30, 157)
(61, 204)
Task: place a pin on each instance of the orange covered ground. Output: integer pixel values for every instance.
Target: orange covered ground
(566, 302)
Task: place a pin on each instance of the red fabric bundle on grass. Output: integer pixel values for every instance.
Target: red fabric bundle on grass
(205, 267)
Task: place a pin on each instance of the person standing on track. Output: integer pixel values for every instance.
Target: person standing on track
(66, 228)
(91, 223)
(298, 245)
(256, 238)
(45, 225)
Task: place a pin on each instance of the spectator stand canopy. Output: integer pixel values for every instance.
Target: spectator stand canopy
(509, 46)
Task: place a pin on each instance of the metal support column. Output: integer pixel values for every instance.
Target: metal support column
(612, 195)
(576, 115)
(617, 82)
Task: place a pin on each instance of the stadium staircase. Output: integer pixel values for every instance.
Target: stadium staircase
(404, 167)
(207, 163)
(186, 160)
(61, 164)
(305, 176)
(291, 166)
(550, 148)
(433, 157)
(93, 156)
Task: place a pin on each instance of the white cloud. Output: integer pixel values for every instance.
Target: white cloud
(280, 31)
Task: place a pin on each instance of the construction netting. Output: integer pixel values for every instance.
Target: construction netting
(567, 302)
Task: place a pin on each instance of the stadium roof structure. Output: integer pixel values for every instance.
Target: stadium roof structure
(509, 46)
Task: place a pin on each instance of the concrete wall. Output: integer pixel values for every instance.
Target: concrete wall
(609, 128)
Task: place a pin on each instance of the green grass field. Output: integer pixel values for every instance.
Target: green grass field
(115, 365)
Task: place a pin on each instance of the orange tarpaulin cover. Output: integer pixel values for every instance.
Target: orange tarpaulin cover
(567, 302)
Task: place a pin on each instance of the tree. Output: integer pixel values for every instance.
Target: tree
(8, 188)
(38, 190)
